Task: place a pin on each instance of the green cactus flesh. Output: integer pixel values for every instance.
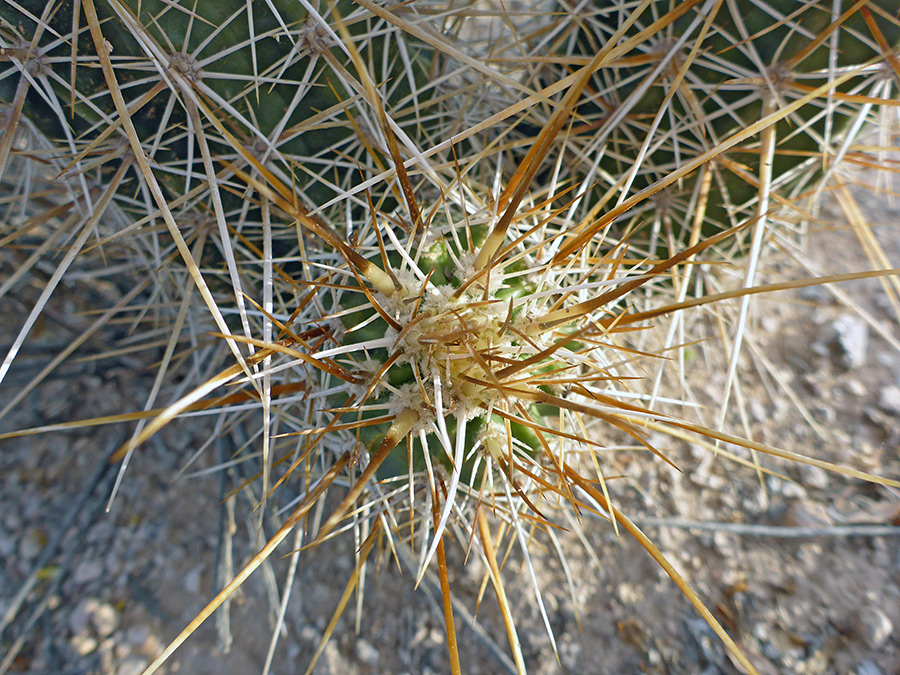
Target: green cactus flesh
(756, 58)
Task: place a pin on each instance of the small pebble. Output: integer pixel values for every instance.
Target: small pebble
(367, 653)
(79, 618)
(868, 667)
(887, 360)
(87, 570)
(192, 579)
(757, 411)
(852, 338)
(136, 636)
(308, 633)
(877, 629)
(855, 387)
(726, 543)
(105, 620)
(785, 488)
(708, 480)
(889, 399)
(814, 476)
(83, 644)
(817, 294)
(819, 348)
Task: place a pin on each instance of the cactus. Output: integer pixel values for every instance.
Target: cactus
(828, 64)
(423, 257)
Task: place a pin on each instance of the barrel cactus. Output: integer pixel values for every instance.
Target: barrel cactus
(429, 242)
(711, 71)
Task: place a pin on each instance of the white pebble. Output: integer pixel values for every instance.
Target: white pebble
(367, 653)
(878, 629)
(105, 620)
(889, 399)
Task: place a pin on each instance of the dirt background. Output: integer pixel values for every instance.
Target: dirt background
(819, 595)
